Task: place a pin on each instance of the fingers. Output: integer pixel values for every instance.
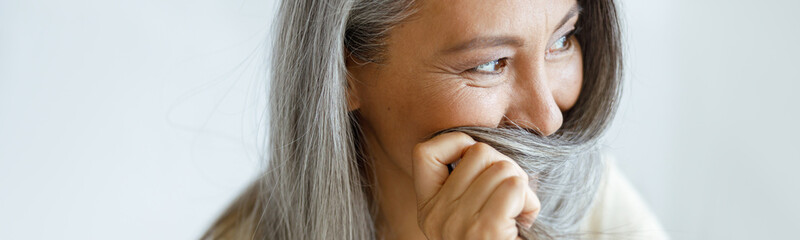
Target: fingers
(530, 210)
(496, 217)
(430, 159)
(489, 182)
(511, 198)
(486, 195)
(476, 160)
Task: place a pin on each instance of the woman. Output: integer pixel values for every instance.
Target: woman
(415, 119)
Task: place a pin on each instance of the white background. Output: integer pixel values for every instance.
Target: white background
(138, 119)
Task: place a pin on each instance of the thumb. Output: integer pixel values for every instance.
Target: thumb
(430, 159)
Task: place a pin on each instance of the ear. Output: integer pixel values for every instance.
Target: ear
(353, 102)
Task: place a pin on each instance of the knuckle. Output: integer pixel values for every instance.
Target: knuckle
(481, 148)
(513, 169)
(536, 202)
(505, 166)
(479, 151)
(537, 207)
(460, 135)
(421, 150)
(515, 181)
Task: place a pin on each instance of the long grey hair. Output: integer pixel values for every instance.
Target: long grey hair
(316, 185)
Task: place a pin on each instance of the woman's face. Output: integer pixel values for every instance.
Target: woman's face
(468, 63)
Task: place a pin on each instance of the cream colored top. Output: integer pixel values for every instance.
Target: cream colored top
(618, 211)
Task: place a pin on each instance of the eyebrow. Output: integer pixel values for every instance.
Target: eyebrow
(486, 42)
(575, 10)
(494, 41)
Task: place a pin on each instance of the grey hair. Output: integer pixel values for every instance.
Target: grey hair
(314, 182)
(566, 167)
(316, 186)
(564, 173)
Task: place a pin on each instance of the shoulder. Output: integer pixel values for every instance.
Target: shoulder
(618, 212)
(239, 220)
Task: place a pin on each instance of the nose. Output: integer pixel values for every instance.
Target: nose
(532, 104)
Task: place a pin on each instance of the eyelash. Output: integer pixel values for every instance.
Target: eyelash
(504, 61)
(501, 63)
(567, 43)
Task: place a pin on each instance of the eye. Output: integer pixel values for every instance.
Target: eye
(563, 43)
(560, 44)
(492, 67)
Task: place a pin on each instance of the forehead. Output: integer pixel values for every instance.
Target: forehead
(439, 24)
(454, 19)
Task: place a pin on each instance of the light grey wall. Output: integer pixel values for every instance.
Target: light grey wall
(137, 119)
(709, 125)
(126, 119)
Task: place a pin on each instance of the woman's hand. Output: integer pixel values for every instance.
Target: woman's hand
(482, 198)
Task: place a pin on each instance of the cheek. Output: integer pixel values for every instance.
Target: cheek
(409, 107)
(460, 105)
(568, 79)
(428, 101)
